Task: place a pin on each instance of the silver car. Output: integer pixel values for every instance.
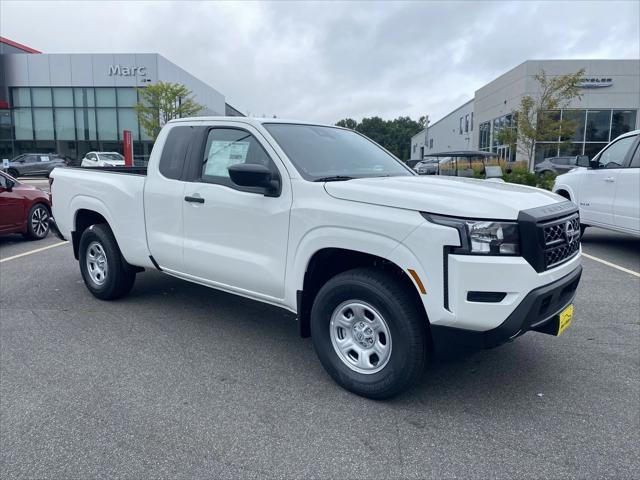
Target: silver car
(427, 167)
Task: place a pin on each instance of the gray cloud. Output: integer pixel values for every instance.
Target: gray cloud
(326, 61)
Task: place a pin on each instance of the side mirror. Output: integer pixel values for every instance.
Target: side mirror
(10, 184)
(594, 163)
(582, 161)
(254, 175)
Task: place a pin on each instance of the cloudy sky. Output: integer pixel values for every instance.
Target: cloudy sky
(327, 61)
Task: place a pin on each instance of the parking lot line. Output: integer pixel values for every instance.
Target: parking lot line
(32, 251)
(613, 265)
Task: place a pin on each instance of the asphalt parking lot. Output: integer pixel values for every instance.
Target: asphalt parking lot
(179, 381)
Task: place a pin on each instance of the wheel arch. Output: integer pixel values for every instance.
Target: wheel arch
(327, 262)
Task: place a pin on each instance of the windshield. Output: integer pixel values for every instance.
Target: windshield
(318, 152)
(111, 156)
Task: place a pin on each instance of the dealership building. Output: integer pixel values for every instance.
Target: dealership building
(609, 106)
(74, 103)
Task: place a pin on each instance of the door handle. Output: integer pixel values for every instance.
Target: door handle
(194, 199)
(609, 179)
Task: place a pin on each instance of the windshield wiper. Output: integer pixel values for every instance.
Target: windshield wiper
(335, 178)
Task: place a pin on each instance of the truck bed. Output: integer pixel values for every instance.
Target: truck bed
(116, 193)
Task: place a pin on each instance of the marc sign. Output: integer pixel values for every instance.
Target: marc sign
(595, 82)
(127, 71)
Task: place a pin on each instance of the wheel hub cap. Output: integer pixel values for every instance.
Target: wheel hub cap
(360, 336)
(97, 264)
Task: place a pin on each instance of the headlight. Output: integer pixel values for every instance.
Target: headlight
(482, 237)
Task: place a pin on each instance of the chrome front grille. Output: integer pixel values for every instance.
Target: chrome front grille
(561, 240)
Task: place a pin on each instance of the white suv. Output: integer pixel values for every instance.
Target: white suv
(608, 191)
(102, 159)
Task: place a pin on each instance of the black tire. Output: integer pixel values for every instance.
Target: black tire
(404, 317)
(38, 222)
(119, 277)
(13, 172)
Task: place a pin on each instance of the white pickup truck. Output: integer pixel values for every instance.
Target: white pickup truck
(384, 268)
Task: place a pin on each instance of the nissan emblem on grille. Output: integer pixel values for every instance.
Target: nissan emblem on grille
(570, 232)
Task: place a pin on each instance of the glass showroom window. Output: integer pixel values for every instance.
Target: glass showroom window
(127, 120)
(127, 97)
(23, 123)
(577, 118)
(598, 125)
(21, 97)
(43, 123)
(41, 97)
(622, 121)
(62, 97)
(107, 124)
(105, 97)
(485, 135)
(84, 97)
(86, 124)
(5, 125)
(64, 122)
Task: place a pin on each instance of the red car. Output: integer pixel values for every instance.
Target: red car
(23, 209)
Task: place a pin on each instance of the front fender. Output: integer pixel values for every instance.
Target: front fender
(361, 241)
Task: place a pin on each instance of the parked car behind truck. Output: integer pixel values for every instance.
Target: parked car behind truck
(384, 268)
(608, 190)
(35, 164)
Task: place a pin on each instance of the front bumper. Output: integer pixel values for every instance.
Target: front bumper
(536, 311)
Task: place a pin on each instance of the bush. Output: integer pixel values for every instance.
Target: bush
(520, 174)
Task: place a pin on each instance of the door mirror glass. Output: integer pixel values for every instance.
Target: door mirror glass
(582, 161)
(253, 175)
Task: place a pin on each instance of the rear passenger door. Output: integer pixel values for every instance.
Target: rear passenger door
(164, 197)
(236, 237)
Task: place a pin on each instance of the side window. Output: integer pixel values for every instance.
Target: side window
(560, 161)
(614, 155)
(228, 146)
(91, 156)
(174, 151)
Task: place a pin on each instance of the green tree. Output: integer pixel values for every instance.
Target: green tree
(349, 123)
(394, 135)
(163, 102)
(537, 118)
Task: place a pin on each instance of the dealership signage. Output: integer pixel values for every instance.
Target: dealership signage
(595, 82)
(127, 71)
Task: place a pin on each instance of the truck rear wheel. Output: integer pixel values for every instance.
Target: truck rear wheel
(104, 271)
(369, 332)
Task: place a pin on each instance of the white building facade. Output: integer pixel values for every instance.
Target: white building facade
(610, 106)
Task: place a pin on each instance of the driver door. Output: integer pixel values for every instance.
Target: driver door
(236, 237)
(598, 188)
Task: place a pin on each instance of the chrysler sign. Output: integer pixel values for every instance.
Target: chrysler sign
(127, 71)
(595, 82)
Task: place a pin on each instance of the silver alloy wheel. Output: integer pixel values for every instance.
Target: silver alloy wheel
(40, 221)
(97, 264)
(360, 336)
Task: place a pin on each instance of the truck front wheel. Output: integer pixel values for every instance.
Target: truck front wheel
(104, 271)
(369, 332)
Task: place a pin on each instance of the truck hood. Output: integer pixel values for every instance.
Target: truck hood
(454, 196)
